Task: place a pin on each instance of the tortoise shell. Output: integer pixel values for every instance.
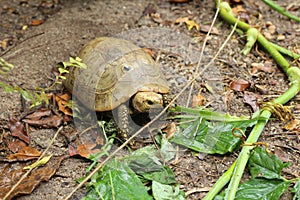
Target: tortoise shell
(116, 70)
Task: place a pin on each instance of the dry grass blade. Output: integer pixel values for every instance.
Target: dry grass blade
(153, 120)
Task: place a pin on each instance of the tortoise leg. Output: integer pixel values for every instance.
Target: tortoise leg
(123, 123)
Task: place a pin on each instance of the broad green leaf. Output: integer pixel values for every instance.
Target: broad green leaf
(116, 181)
(167, 151)
(210, 137)
(261, 189)
(166, 192)
(145, 162)
(164, 176)
(263, 164)
(296, 190)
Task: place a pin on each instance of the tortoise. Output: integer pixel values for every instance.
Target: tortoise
(119, 76)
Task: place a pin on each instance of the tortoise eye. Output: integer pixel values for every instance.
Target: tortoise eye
(126, 68)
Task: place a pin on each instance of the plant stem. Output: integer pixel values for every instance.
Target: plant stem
(281, 10)
(222, 181)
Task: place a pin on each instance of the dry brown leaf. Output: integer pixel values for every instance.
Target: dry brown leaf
(198, 100)
(14, 171)
(62, 102)
(17, 129)
(190, 23)
(170, 130)
(266, 67)
(85, 150)
(49, 122)
(293, 125)
(39, 114)
(205, 29)
(238, 9)
(16, 145)
(36, 22)
(24, 154)
(239, 85)
(251, 99)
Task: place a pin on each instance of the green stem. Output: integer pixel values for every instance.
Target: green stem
(255, 133)
(222, 181)
(294, 77)
(280, 60)
(281, 10)
(284, 51)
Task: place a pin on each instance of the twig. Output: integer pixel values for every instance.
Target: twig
(152, 121)
(30, 169)
(201, 54)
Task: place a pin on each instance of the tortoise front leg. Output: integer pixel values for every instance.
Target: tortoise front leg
(123, 122)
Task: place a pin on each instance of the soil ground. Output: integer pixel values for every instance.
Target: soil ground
(67, 25)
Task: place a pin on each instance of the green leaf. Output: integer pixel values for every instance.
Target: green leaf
(166, 192)
(296, 190)
(116, 181)
(7, 88)
(167, 151)
(210, 137)
(145, 163)
(164, 176)
(261, 189)
(62, 70)
(208, 114)
(263, 164)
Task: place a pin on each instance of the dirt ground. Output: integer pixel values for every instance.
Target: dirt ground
(67, 25)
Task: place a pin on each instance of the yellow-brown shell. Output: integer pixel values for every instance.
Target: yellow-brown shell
(116, 70)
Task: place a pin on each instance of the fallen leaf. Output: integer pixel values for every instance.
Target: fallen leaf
(17, 129)
(205, 29)
(49, 122)
(239, 85)
(5, 42)
(251, 99)
(39, 114)
(72, 150)
(24, 154)
(293, 125)
(14, 171)
(266, 67)
(156, 17)
(63, 103)
(198, 100)
(16, 145)
(237, 10)
(190, 23)
(85, 150)
(170, 130)
(36, 22)
(280, 37)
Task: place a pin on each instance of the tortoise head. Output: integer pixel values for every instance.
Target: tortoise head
(144, 101)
